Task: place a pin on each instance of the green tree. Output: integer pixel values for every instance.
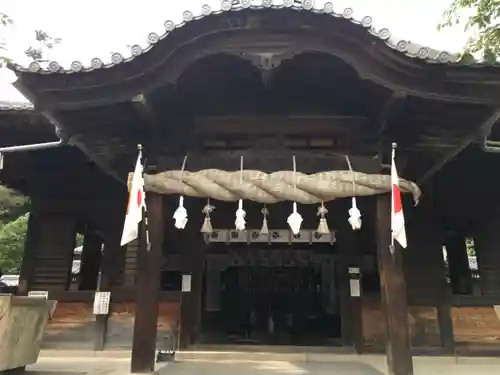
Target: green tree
(4, 21)
(14, 209)
(12, 205)
(12, 243)
(482, 18)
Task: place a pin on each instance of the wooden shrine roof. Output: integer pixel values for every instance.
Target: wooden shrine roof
(266, 81)
(405, 47)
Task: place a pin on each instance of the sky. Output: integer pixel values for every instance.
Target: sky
(97, 28)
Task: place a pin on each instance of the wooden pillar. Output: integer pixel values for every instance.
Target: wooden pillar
(50, 248)
(192, 263)
(111, 253)
(130, 268)
(393, 291)
(91, 260)
(29, 256)
(488, 257)
(425, 256)
(351, 306)
(148, 289)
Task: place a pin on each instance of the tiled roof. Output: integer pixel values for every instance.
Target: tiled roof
(403, 46)
(15, 106)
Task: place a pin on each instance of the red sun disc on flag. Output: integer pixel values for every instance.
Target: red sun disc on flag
(396, 196)
(139, 198)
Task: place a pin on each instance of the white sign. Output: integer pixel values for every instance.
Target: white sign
(355, 288)
(186, 283)
(101, 303)
(354, 270)
(39, 294)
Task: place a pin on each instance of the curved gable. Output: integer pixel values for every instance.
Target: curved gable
(404, 47)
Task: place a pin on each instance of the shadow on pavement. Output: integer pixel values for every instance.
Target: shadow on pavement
(268, 367)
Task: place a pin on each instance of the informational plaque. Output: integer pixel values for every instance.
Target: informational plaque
(355, 288)
(354, 270)
(101, 303)
(186, 283)
(39, 294)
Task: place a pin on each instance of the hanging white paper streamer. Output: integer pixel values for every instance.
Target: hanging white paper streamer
(354, 212)
(240, 216)
(355, 216)
(295, 219)
(240, 222)
(180, 215)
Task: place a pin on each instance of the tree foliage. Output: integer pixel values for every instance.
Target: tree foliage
(12, 237)
(4, 21)
(482, 18)
(13, 225)
(12, 205)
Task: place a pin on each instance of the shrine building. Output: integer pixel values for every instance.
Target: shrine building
(263, 85)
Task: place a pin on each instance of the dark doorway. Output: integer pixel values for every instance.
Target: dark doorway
(277, 302)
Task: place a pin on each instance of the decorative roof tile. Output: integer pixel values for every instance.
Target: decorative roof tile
(405, 47)
(15, 106)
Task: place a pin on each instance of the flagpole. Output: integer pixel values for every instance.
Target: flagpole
(393, 161)
(145, 208)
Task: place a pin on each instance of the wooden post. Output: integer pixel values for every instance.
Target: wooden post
(148, 289)
(193, 262)
(91, 260)
(393, 292)
(351, 320)
(29, 256)
(108, 276)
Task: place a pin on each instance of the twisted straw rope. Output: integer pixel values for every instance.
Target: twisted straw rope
(270, 188)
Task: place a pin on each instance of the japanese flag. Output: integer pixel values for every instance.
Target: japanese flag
(136, 202)
(397, 217)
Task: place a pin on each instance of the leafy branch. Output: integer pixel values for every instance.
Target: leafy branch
(482, 17)
(4, 21)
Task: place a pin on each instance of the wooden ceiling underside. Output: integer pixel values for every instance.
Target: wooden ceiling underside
(313, 105)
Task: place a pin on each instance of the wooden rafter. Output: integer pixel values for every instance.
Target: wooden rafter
(269, 125)
(485, 128)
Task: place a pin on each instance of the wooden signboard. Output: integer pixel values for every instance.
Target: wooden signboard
(101, 303)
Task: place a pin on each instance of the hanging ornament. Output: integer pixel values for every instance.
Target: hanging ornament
(323, 223)
(207, 225)
(180, 215)
(264, 230)
(354, 216)
(240, 212)
(354, 212)
(240, 216)
(295, 219)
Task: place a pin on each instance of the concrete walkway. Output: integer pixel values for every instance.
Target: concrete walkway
(118, 363)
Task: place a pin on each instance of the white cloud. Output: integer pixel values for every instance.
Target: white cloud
(100, 27)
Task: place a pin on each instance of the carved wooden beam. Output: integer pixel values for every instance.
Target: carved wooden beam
(94, 157)
(485, 128)
(283, 125)
(269, 160)
(145, 111)
(396, 99)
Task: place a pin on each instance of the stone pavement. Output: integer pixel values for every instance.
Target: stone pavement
(264, 365)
